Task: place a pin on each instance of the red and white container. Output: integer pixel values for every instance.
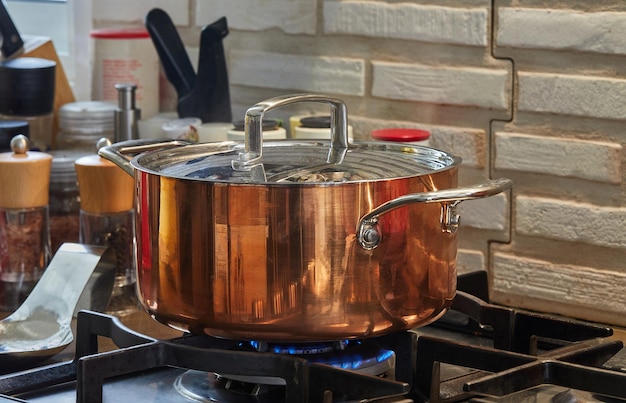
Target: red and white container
(126, 55)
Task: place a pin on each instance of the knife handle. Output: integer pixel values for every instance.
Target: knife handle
(171, 51)
(12, 43)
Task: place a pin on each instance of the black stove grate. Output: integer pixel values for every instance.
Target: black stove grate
(305, 381)
(508, 350)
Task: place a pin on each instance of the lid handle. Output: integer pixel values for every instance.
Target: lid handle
(253, 145)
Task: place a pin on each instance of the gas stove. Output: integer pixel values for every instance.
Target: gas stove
(477, 352)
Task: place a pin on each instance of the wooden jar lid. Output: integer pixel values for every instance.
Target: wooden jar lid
(24, 176)
(104, 187)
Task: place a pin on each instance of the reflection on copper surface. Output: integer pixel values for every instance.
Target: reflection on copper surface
(282, 262)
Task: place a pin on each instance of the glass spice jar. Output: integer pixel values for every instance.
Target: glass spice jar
(24, 233)
(107, 219)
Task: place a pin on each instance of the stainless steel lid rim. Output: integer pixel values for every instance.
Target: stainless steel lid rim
(364, 162)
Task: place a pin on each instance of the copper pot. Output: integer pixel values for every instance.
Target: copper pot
(295, 240)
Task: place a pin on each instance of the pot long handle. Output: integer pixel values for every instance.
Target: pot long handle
(369, 235)
(119, 153)
(253, 145)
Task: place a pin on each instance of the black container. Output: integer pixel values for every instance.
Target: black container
(27, 86)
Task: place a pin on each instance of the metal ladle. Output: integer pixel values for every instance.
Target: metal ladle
(41, 326)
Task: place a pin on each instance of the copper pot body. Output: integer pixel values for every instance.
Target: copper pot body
(280, 262)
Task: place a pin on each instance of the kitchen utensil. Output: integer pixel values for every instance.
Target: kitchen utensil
(12, 43)
(209, 99)
(126, 114)
(296, 240)
(204, 95)
(171, 50)
(40, 327)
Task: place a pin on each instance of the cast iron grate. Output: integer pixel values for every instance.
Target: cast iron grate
(526, 349)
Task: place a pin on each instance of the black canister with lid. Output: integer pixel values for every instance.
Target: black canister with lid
(27, 93)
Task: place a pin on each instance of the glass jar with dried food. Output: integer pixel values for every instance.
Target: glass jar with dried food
(107, 219)
(24, 233)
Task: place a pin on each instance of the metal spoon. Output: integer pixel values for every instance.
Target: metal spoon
(41, 326)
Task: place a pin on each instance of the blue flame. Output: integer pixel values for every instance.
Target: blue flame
(344, 359)
(384, 355)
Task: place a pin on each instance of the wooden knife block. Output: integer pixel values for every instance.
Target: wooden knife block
(42, 47)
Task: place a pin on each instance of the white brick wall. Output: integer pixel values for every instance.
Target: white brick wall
(592, 160)
(600, 32)
(296, 72)
(570, 221)
(123, 11)
(565, 94)
(584, 292)
(293, 16)
(469, 260)
(465, 142)
(428, 23)
(484, 88)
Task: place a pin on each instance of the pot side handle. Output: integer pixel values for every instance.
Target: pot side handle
(118, 153)
(368, 233)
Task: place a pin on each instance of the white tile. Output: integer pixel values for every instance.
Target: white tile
(567, 157)
(578, 95)
(427, 23)
(333, 75)
(570, 221)
(541, 28)
(468, 86)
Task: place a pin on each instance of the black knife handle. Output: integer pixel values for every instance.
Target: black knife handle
(209, 99)
(12, 43)
(171, 51)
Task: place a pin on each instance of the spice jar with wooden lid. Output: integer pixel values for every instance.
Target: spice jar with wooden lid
(24, 228)
(107, 218)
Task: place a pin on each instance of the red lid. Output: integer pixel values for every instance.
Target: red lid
(120, 33)
(400, 135)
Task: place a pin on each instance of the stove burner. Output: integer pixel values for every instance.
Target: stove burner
(210, 387)
(356, 355)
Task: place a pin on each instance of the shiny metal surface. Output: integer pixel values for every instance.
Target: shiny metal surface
(258, 241)
(40, 327)
(282, 263)
(254, 123)
(369, 236)
(284, 161)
